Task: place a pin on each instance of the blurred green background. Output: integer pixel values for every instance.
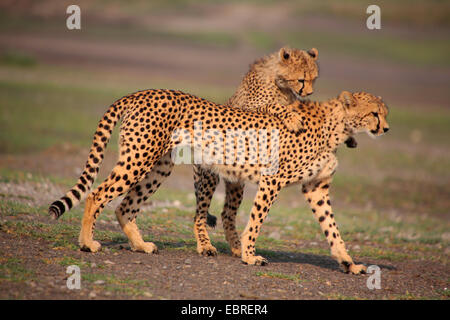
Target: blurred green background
(55, 84)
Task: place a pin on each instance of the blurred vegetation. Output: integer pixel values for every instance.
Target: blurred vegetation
(14, 58)
(409, 12)
(132, 21)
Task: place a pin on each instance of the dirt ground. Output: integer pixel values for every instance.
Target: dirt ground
(177, 272)
(183, 275)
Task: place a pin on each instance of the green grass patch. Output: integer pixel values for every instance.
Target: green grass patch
(37, 116)
(17, 59)
(114, 284)
(8, 175)
(382, 253)
(278, 275)
(13, 269)
(13, 208)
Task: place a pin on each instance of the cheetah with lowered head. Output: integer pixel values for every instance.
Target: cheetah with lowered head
(156, 121)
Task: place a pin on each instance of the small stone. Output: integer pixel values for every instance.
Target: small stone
(187, 261)
(148, 294)
(108, 262)
(275, 235)
(99, 282)
(92, 294)
(177, 203)
(93, 265)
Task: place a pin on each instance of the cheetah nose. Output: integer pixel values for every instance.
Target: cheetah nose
(385, 129)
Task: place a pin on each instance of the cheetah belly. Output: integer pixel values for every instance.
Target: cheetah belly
(238, 173)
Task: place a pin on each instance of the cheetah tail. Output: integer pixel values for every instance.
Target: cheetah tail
(96, 154)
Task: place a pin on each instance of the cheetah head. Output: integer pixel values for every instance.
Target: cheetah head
(297, 70)
(365, 113)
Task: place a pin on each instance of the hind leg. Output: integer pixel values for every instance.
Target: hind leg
(233, 199)
(129, 208)
(119, 181)
(205, 183)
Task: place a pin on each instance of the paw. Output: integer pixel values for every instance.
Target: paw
(146, 247)
(293, 122)
(236, 252)
(207, 251)
(255, 260)
(355, 268)
(93, 246)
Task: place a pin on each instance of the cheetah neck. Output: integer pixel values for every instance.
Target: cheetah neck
(335, 125)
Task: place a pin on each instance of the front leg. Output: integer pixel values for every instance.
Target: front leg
(291, 119)
(266, 195)
(317, 195)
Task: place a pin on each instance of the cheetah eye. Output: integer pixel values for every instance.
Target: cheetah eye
(302, 81)
(375, 114)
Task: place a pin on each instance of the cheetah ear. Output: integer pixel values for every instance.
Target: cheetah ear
(347, 99)
(313, 53)
(284, 54)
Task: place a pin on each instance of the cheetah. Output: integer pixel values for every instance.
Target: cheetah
(156, 121)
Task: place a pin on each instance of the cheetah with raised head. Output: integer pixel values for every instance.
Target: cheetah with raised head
(152, 121)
